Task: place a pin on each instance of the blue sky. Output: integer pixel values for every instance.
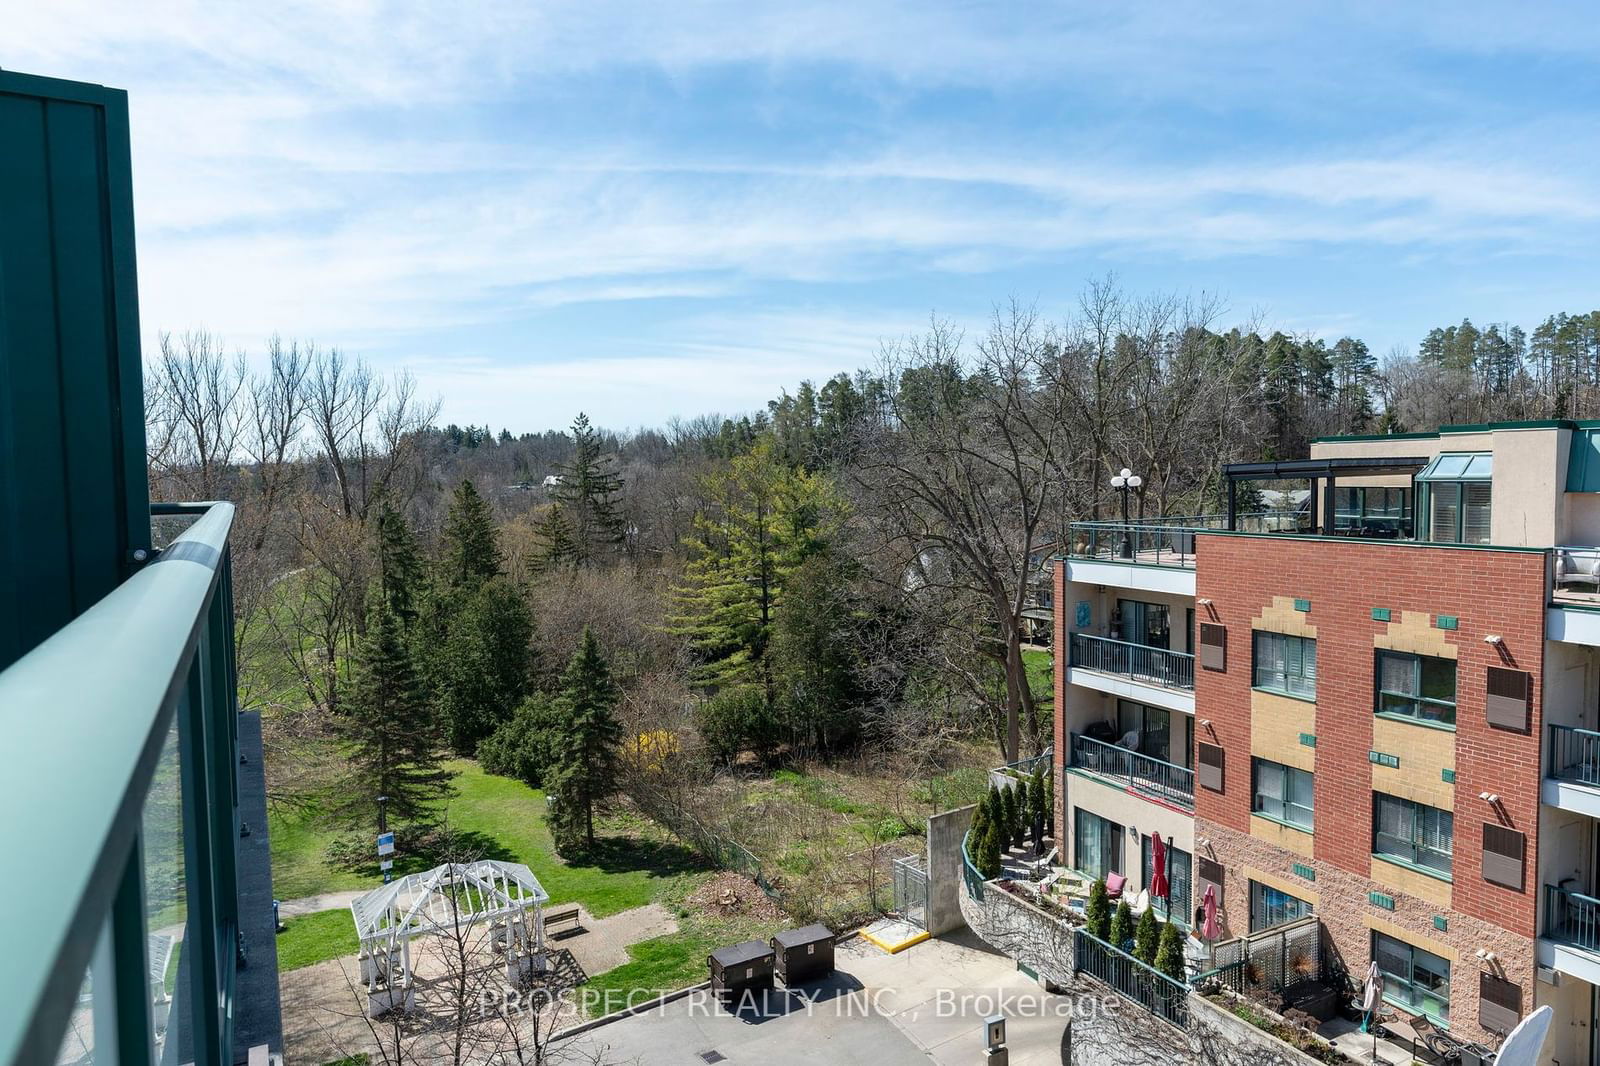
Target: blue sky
(664, 209)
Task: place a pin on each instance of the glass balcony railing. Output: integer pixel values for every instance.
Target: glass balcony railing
(1153, 666)
(1167, 541)
(1142, 773)
(122, 822)
(1574, 755)
(1572, 918)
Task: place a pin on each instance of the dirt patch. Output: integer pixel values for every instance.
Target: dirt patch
(731, 895)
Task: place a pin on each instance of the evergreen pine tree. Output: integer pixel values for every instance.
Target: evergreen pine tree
(1147, 937)
(980, 826)
(587, 495)
(1097, 912)
(1169, 953)
(1121, 926)
(1036, 800)
(400, 573)
(393, 744)
(587, 758)
(557, 548)
(471, 551)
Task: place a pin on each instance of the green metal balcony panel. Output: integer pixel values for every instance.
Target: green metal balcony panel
(90, 707)
(73, 496)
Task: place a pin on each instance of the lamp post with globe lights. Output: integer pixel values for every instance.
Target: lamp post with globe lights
(1125, 481)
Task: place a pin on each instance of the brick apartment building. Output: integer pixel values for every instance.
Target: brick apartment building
(1371, 698)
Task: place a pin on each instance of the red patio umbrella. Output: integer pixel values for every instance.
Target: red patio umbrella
(1209, 929)
(1159, 889)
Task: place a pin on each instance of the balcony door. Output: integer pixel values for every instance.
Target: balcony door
(1156, 732)
(1149, 624)
(1097, 845)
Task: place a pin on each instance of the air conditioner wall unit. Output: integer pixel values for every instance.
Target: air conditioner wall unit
(1549, 975)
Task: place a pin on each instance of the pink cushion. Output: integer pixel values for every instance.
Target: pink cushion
(1114, 883)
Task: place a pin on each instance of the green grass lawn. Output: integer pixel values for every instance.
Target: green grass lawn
(667, 963)
(1037, 663)
(317, 937)
(504, 819)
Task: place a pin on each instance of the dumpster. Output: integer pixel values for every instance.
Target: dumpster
(803, 954)
(740, 968)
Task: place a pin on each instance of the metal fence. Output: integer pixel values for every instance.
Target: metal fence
(1144, 773)
(1155, 666)
(1169, 540)
(911, 889)
(1572, 917)
(723, 851)
(1131, 979)
(1574, 754)
(1273, 960)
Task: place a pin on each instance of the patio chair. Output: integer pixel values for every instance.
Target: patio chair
(1576, 566)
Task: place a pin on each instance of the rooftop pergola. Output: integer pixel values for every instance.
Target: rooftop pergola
(505, 896)
(1324, 471)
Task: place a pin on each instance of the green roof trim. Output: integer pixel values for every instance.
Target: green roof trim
(1374, 436)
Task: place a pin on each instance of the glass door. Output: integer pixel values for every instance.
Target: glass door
(1143, 623)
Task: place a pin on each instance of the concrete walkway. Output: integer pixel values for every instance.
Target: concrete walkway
(327, 901)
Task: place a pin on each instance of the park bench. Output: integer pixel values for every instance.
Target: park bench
(563, 916)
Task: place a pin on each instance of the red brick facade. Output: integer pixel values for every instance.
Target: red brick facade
(1489, 592)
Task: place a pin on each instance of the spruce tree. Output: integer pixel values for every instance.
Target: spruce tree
(1121, 926)
(471, 550)
(1036, 802)
(980, 826)
(587, 757)
(1147, 937)
(1169, 953)
(400, 573)
(587, 495)
(557, 548)
(394, 746)
(1097, 912)
(481, 668)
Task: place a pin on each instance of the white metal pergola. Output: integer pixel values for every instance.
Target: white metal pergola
(505, 896)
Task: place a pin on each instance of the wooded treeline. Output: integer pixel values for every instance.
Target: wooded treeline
(851, 563)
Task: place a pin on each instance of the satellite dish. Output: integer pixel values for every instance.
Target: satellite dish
(1522, 1047)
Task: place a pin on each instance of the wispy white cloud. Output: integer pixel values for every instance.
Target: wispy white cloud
(359, 171)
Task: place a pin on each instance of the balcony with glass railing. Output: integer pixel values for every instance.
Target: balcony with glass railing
(123, 800)
(1136, 662)
(1168, 541)
(1572, 918)
(1133, 770)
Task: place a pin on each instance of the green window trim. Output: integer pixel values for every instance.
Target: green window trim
(1413, 835)
(1422, 697)
(1414, 979)
(1284, 664)
(1283, 794)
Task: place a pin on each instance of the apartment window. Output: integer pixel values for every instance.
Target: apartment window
(1282, 793)
(1457, 488)
(1270, 907)
(1415, 979)
(1097, 844)
(1417, 686)
(1286, 664)
(1413, 833)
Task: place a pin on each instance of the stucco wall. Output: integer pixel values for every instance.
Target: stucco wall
(944, 868)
